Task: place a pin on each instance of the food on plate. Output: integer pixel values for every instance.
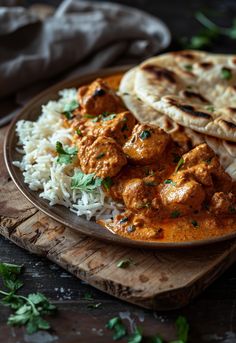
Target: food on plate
(110, 156)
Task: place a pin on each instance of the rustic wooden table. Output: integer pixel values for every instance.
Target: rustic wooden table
(212, 316)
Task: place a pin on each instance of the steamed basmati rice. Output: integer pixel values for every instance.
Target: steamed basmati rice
(42, 172)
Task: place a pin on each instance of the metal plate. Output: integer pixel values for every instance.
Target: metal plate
(60, 213)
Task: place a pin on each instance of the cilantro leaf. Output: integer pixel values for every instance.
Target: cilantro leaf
(182, 328)
(226, 74)
(179, 165)
(107, 183)
(124, 263)
(29, 311)
(69, 108)
(145, 134)
(169, 181)
(85, 182)
(66, 154)
(136, 337)
(175, 214)
(118, 327)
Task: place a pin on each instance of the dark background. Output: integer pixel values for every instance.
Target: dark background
(212, 315)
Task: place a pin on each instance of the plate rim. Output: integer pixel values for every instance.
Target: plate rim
(30, 195)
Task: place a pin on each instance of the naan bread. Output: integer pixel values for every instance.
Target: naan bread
(147, 114)
(195, 89)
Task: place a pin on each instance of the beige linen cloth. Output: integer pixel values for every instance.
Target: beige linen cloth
(80, 36)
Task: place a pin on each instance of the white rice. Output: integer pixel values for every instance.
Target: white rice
(42, 172)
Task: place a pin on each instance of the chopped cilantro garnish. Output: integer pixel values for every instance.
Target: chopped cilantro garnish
(188, 67)
(194, 223)
(102, 154)
(232, 209)
(89, 116)
(145, 134)
(109, 117)
(79, 133)
(169, 181)
(107, 183)
(210, 109)
(179, 165)
(124, 128)
(124, 220)
(66, 154)
(226, 73)
(69, 108)
(175, 214)
(85, 182)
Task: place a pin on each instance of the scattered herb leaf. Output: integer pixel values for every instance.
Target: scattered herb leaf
(145, 134)
(232, 209)
(124, 263)
(175, 214)
(29, 311)
(85, 182)
(93, 306)
(88, 296)
(182, 328)
(118, 327)
(188, 67)
(136, 337)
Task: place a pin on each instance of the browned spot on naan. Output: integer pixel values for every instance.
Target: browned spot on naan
(189, 109)
(189, 94)
(160, 73)
(206, 65)
(234, 60)
(229, 124)
(232, 109)
(185, 54)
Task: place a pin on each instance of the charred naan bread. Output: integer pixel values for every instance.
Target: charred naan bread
(195, 89)
(146, 114)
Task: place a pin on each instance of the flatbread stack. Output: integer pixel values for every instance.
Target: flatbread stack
(188, 91)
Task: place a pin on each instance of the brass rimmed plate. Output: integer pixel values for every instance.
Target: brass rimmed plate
(60, 213)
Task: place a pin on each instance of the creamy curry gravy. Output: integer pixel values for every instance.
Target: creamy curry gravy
(171, 192)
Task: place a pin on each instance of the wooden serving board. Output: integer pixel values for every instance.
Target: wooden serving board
(158, 279)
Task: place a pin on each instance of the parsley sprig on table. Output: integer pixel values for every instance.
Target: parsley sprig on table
(119, 331)
(28, 311)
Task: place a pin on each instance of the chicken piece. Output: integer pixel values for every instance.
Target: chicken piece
(147, 144)
(96, 97)
(129, 172)
(222, 203)
(118, 126)
(140, 194)
(185, 197)
(202, 164)
(102, 156)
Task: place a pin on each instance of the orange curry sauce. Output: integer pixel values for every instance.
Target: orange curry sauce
(172, 192)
